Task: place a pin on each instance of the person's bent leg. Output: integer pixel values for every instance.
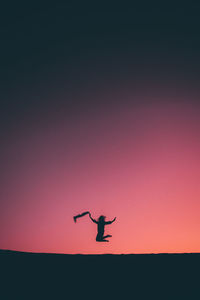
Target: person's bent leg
(107, 236)
(101, 238)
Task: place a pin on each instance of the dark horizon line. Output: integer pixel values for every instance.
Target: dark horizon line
(4, 251)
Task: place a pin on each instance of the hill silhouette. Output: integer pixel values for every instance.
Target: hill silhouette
(65, 276)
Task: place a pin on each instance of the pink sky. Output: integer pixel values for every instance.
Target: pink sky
(138, 162)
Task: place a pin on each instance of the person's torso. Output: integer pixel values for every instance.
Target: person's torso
(101, 228)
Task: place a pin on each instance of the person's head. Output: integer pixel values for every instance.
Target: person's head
(101, 219)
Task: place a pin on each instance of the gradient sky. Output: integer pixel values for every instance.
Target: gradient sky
(102, 118)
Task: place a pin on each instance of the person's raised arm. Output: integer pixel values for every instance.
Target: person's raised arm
(93, 220)
(110, 222)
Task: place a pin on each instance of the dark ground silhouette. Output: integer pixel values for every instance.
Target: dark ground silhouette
(60, 276)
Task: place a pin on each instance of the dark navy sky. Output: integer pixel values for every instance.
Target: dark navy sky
(48, 49)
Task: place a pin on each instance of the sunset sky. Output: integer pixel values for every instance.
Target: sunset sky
(100, 115)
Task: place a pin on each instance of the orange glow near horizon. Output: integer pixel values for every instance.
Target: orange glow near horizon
(140, 163)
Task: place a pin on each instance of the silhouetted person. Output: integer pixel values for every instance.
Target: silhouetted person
(100, 225)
